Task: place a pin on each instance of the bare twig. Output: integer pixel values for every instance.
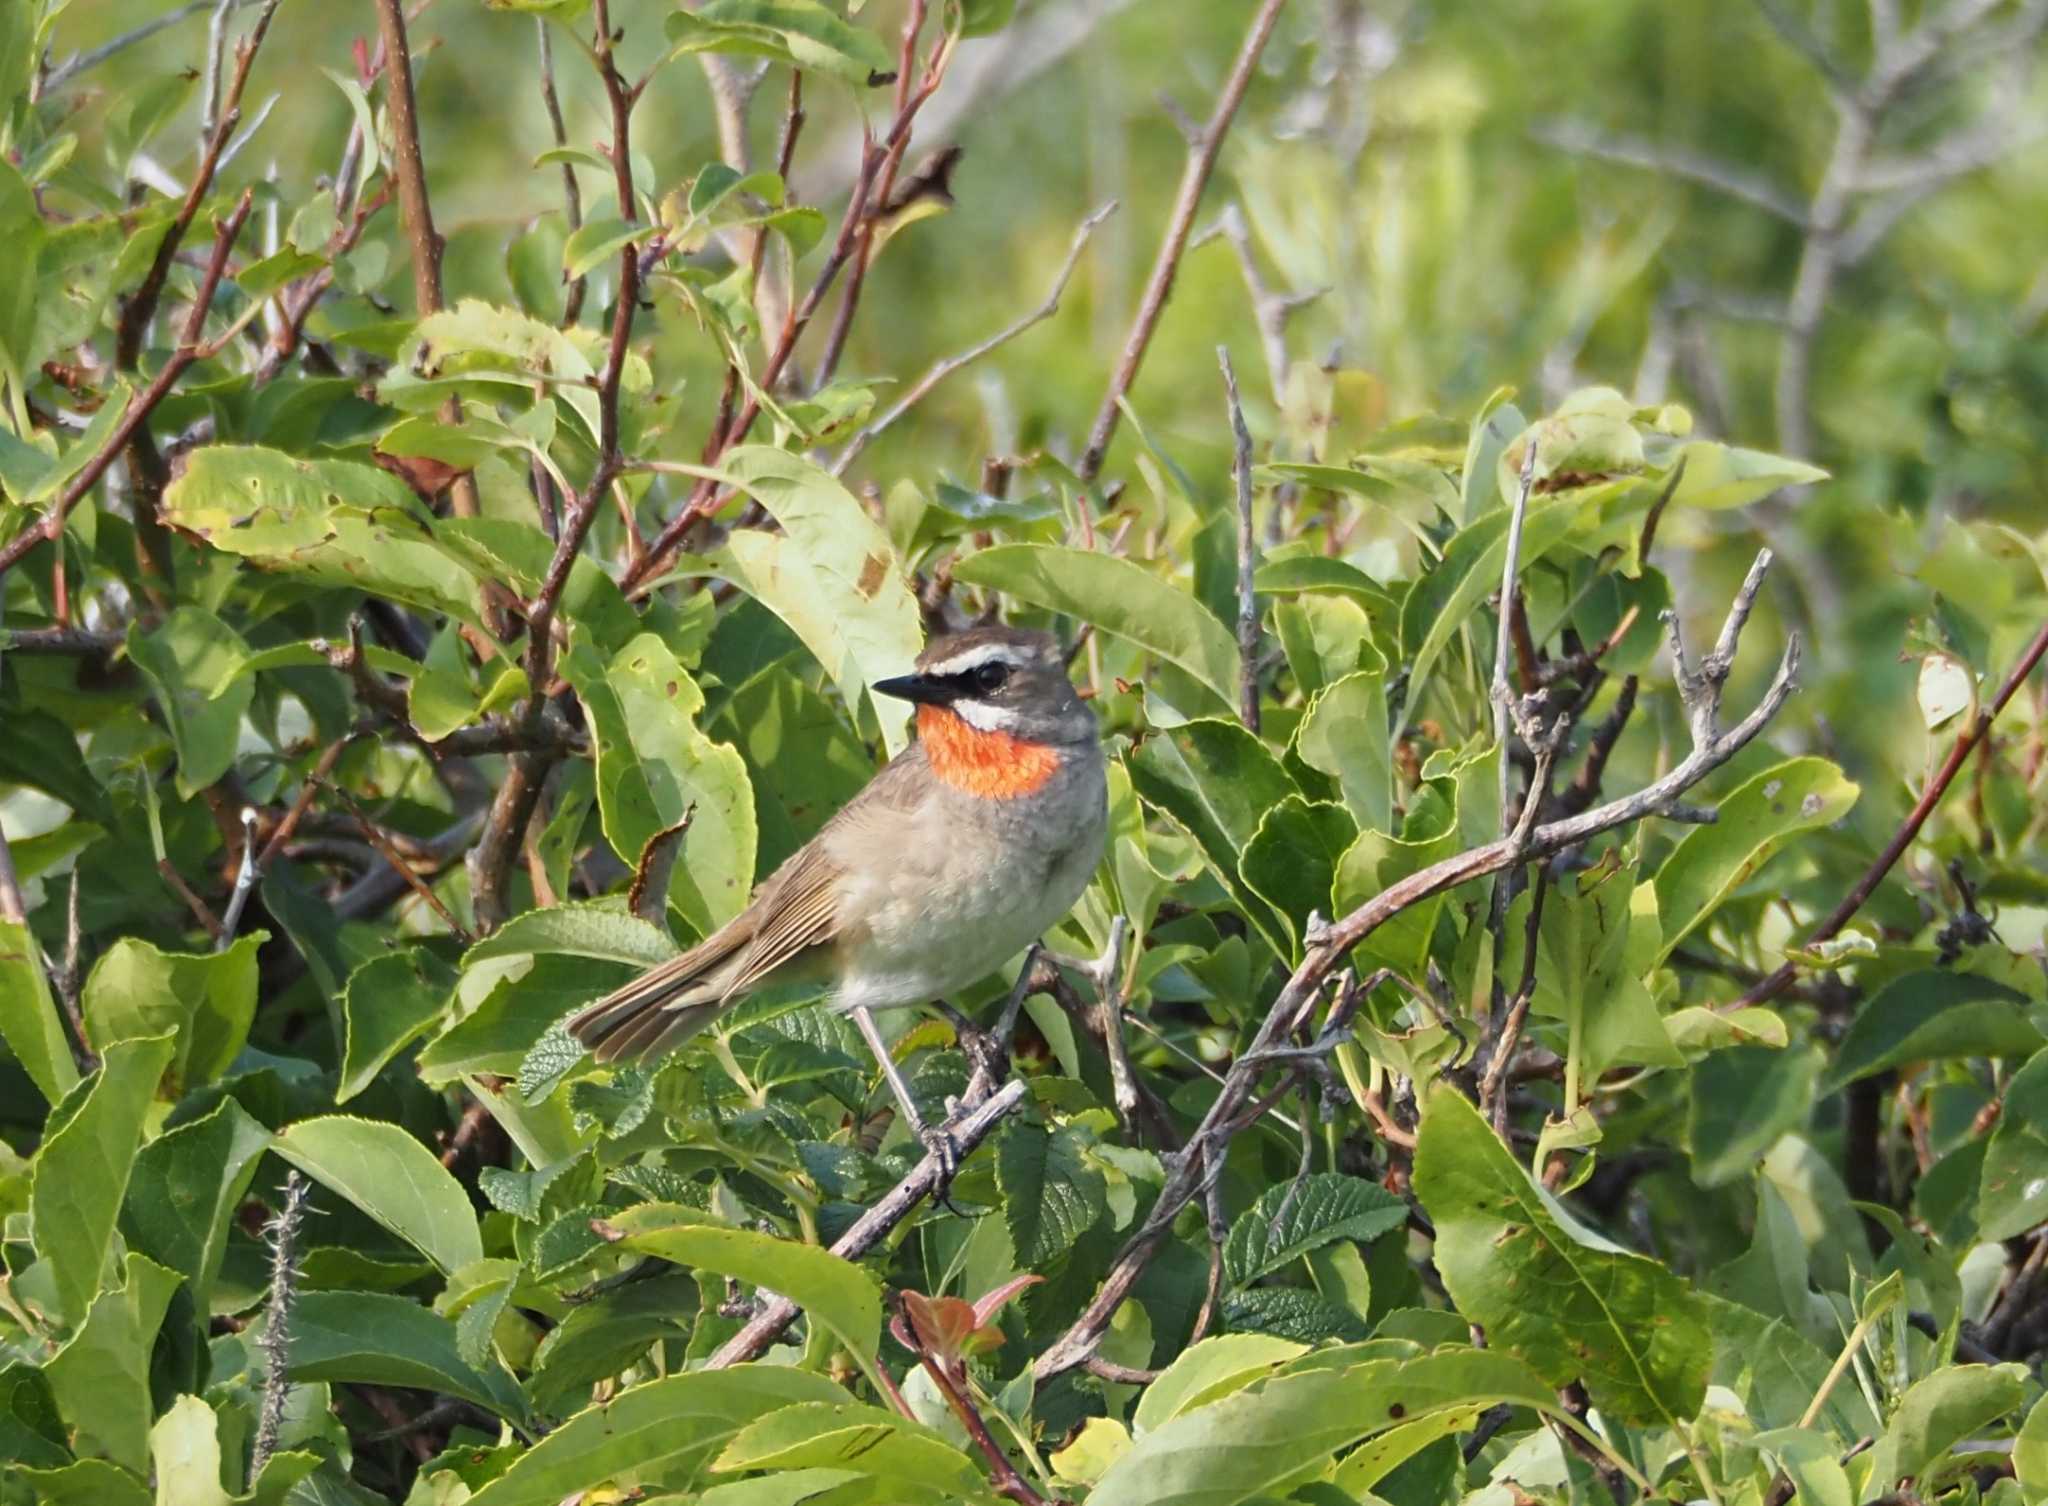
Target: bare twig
(79, 62)
(1737, 182)
(1909, 829)
(377, 838)
(1203, 150)
(1270, 310)
(1247, 551)
(246, 879)
(982, 1109)
(143, 403)
(140, 307)
(275, 1340)
(201, 912)
(572, 192)
(1327, 945)
(923, 386)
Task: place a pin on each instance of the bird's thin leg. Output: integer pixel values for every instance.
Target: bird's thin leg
(937, 1141)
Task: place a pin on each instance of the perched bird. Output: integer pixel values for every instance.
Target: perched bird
(952, 860)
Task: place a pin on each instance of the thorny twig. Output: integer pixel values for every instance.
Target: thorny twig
(1247, 551)
(275, 1340)
(1327, 945)
(1204, 146)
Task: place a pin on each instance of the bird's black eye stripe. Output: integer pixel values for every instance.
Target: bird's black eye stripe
(991, 676)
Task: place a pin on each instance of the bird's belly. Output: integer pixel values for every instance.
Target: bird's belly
(935, 928)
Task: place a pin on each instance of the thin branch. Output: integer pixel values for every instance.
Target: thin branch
(79, 62)
(1247, 550)
(245, 882)
(1201, 163)
(140, 307)
(983, 1108)
(378, 839)
(1737, 182)
(1270, 310)
(1328, 945)
(572, 192)
(1909, 829)
(922, 387)
(144, 403)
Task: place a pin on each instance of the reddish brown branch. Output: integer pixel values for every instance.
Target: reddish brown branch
(1203, 149)
(1916, 818)
(408, 163)
(140, 307)
(144, 403)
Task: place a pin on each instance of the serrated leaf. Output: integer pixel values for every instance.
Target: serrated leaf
(1290, 1312)
(1572, 1305)
(1344, 734)
(1323, 1207)
(186, 1191)
(390, 1002)
(28, 1016)
(192, 659)
(1938, 1412)
(204, 1001)
(1208, 1371)
(100, 1378)
(849, 1435)
(1051, 1195)
(602, 929)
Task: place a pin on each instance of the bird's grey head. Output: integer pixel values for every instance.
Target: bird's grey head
(1000, 679)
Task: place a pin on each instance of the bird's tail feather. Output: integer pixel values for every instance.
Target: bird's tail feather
(649, 1016)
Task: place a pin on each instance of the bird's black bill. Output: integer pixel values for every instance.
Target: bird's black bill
(926, 690)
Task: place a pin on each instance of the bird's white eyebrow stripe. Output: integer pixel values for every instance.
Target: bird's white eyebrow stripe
(974, 658)
(983, 717)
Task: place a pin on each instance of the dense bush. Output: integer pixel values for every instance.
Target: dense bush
(1560, 1017)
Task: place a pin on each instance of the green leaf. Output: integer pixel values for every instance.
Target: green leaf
(1722, 475)
(1931, 1015)
(332, 521)
(186, 1191)
(1937, 1413)
(595, 240)
(801, 31)
(1291, 861)
(655, 767)
(89, 1482)
(1051, 1195)
(1743, 1099)
(607, 1335)
(1441, 599)
(203, 1001)
(373, 1338)
(100, 1378)
(850, 1435)
(2030, 1452)
(835, 1292)
(831, 575)
(518, 1015)
(1261, 1440)
(1752, 823)
(1117, 596)
(82, 1169)
(393, 1178)
(1290, 1312)
(603, 929)
(390, 1002)
(1209, 1371)
(1572, 1305)
(1217, 781)
(193, 662)
(2013, 1186)
(1808, 1458)
(660, 1434)
(1290, 1219)
(1590, 958)
(1344, 734)
(185, 1448)
(28, 1016)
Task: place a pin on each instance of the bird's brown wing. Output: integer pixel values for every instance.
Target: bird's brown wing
(672, 1001)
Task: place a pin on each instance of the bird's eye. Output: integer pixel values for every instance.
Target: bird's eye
(991, 677)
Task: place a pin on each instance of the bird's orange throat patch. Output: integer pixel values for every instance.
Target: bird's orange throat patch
(993, 765)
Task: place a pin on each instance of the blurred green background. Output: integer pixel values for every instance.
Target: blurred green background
(1442, 175)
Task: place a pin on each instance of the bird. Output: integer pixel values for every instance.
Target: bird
(962, 852)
